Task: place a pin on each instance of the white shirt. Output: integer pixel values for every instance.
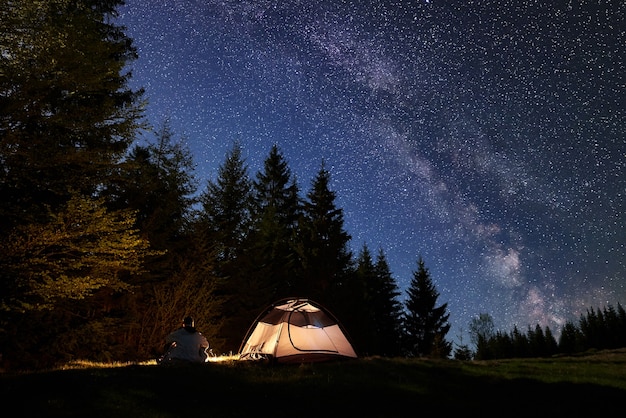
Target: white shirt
(189, 346)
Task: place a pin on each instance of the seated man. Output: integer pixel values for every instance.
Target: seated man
(186, 344)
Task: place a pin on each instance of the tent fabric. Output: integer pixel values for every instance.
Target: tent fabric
(296, 330)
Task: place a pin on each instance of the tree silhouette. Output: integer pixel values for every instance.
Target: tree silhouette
(225, 218)
(323, 245)
(425, 324)
(387, 308)
(68, 115)
(224, 224)
(277, 211)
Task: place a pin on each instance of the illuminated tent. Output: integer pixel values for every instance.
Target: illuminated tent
(296, 331)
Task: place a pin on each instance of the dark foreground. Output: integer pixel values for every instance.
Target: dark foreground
(566, 387)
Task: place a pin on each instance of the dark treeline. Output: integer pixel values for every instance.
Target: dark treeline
(597, 329)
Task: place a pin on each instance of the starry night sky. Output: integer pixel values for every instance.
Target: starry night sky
(489, 137)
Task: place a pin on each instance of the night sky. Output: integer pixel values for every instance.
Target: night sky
(489, 137)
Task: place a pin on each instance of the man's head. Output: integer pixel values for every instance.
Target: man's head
(188, 322)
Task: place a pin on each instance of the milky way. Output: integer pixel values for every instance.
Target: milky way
(488, 137)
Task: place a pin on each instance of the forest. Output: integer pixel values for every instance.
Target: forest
(109, 240)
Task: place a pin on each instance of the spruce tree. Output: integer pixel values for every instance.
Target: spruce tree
(358, 312)
(370, 310)
(520, 344)
(536, 342)
(225, 217)
(323, 247)
(224, 226)
(588, 325)
(157, 180)
(618, 325)
(67, 113)
(425, 325)
(551, 344)
(277, 211)
(387, 308)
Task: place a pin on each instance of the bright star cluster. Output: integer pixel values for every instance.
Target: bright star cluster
(487, 136)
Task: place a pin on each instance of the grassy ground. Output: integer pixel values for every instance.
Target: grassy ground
(590, 385)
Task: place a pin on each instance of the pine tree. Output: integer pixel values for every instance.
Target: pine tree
(371, 311)
(387, 308)
(536, 342)
(463, 353)
(590, 330)
(326, 258)
(277, 211)
(618, 326)
(520, 344)
(551, 344)
(571, 339)
(225, 218)
(358, 312)
(177, 187)
(157, 180)
(67, 113)
(425, 325)
(224, 226)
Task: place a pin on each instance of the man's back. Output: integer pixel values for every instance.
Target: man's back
(188, 345)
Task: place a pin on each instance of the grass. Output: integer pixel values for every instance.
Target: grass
(588, 385)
